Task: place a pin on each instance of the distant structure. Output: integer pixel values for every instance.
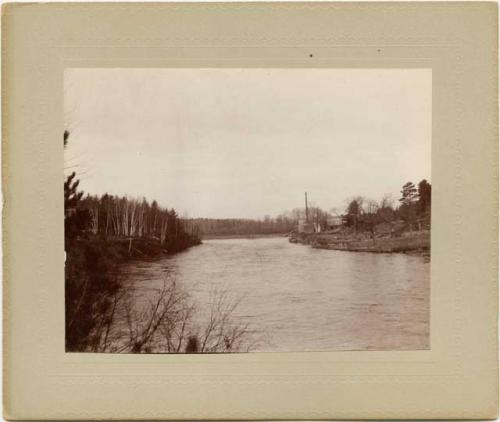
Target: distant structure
(307, 209)
(334, 222)
(317, 225)
(304, 225)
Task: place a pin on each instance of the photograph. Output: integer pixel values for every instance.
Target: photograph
(245, 210)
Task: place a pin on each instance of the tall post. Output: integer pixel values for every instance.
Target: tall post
(307, 210)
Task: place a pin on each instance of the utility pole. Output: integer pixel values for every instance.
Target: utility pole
(307, 211)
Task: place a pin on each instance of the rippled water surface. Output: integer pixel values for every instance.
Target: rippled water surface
(297, 298)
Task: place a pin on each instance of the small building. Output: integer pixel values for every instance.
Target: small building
(334, 221)
(305, 226)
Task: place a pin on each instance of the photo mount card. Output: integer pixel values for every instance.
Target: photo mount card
(250, 211)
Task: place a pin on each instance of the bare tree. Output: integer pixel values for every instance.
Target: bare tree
(166, 323)
(370, 206)
(387, 201)
(163, 311)
(221, 333)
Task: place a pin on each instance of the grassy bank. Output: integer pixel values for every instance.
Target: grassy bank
(417, 242)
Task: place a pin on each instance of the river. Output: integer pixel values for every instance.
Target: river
(296, 298)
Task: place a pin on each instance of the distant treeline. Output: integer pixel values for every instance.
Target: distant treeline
(412, 211)
(236, 226)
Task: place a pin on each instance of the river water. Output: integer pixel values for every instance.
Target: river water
(296, 298)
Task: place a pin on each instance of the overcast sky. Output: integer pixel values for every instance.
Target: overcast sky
(248, 142)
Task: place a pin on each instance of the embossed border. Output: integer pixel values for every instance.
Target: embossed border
(259, 385)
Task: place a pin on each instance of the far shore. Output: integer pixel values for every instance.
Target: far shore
(414, 243)
(243, 236)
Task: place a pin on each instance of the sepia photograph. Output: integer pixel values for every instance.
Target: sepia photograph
(227, 210)
(250, 211)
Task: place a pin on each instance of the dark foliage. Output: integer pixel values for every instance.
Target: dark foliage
(245, 227)
(100, 234)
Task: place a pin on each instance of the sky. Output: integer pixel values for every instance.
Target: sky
(245, 143)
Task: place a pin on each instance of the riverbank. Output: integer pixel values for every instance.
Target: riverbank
(93, 286)
(417, 242)
(138, 247)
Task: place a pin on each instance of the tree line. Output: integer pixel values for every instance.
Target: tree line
(121, 217)
(413, 211)
(238, 226)
(101, 233)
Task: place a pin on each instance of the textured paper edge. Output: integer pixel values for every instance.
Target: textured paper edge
(15, 411)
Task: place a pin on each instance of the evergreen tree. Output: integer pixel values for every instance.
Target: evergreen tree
(424, 196)
(76, 219)
(408, 199)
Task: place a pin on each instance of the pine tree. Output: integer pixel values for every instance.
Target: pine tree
(408, 199)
